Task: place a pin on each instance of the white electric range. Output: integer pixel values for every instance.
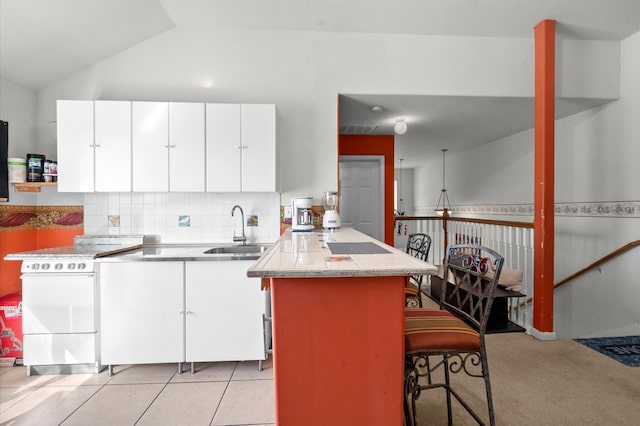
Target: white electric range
(60, 316)
(60, 306)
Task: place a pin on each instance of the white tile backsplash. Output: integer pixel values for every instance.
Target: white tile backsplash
(157, 214)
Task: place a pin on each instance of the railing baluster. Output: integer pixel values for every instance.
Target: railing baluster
(514, 240)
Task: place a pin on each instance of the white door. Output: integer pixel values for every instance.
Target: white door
(75, 146)
(223, 141)
(113, 146)
(142, 312)
(186, 141)
(150, 146)
(258, 148)
(361, 194)
(58, 303)
(224, 311)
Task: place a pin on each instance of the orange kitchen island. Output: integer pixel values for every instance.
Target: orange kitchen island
(337, 300)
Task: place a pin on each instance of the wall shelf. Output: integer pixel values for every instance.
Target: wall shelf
(32, 186)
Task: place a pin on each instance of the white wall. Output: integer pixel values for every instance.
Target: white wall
(404, 178)
(597, 154)
(18, 106)
(303, 73)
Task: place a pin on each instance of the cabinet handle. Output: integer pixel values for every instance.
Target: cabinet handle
(166, 146)
(189, 312)
(172, 146)
(244, 147)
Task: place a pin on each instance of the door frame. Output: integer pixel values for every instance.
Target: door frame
(380, 160)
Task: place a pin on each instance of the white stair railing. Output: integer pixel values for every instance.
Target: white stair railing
(513, 240)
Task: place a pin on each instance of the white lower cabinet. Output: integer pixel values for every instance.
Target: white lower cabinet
(224, 312)
(174, 311)
(141, 312)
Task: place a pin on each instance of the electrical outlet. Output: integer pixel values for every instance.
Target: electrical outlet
(287, 212)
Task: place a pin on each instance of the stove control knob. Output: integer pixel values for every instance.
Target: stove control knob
(35, 266)
(71, 266)
(81, 266)
(45, 266)
(58, 266)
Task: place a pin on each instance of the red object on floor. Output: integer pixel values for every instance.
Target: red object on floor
(338, 350)
(11, 326)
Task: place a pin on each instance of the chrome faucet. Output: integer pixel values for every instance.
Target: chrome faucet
(242, 239)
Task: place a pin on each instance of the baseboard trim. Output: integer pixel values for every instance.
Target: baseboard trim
(543, 335)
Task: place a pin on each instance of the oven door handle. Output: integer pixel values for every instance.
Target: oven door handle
(58, 274)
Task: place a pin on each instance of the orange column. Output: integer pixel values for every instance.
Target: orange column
(543, 202)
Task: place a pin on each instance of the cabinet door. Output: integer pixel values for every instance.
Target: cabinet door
(259, 148)
(75, 146)
(113, 146)
(150, 146)
(223, 147)
(224, 312)
(142, 306)
(186, 153)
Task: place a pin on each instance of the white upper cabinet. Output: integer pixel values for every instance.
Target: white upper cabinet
(241, 148)
(123, 146)
(112, 146)
(187, 152)
(224, 143)
(168, 147)
(259, 148)
(150, 146)
(75, 146)
(94, 146)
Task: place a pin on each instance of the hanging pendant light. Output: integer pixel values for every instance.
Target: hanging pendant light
(444, 206)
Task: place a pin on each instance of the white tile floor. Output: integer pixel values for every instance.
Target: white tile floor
(222, 393)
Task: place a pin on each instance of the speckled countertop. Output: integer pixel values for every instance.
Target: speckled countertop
(84, 247)
(309, 254)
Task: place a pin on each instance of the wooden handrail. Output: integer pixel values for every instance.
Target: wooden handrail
(594, 265)
(598, 262)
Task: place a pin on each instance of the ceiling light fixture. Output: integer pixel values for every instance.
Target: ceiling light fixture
(377, 108)
(401, 126)
(444, 206)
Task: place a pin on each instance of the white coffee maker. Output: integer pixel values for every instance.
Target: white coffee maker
(301, 214)
(331, 218)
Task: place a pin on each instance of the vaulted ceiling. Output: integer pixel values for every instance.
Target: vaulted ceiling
(45, 40)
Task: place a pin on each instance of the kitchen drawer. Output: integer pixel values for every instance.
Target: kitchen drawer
(50, 349)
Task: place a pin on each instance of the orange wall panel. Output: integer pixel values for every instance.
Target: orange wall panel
(26, 228)
(375, 145)
(55, 238)
(13, 242)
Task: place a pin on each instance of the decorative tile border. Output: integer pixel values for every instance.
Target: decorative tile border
(604, 209)
(18, 218)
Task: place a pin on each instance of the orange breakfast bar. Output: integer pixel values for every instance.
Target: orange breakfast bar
(338, 327)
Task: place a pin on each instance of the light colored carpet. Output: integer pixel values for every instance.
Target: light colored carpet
(543, 383)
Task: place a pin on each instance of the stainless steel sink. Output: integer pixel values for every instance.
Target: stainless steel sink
(247, 249)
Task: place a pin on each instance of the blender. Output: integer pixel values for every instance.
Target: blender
(331, 218)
